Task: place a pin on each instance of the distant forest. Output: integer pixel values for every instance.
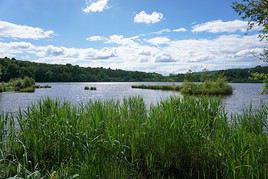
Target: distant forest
(41, 72)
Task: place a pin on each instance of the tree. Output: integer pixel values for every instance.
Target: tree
(256, 13)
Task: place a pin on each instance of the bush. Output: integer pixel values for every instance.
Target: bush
(28, 82)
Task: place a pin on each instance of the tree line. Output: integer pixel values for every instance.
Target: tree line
(41, 72)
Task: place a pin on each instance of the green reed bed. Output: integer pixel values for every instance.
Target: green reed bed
(24, 85)
(158, 87)
(217, 86)
(206, 88)
(177, 138)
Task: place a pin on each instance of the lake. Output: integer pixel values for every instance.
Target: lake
(243, 95)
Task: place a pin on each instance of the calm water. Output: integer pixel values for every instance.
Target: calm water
(243, 95)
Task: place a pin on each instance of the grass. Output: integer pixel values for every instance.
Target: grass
(30, 89)
(206, 88)
(25, 85)
(209, 87)
(158, 87)
(186, 137)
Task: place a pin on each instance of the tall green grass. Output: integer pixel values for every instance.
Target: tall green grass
(177, 138)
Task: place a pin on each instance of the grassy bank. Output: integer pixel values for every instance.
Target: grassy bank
(178, 138)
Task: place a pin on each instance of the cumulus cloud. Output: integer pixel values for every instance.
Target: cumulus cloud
(218, 26)
(96, 6)
(164, 58)
(11, 30)
(115, 39)
(135, 53)
(180, 30)
(95, 38)
(145, 18)
(159, 40)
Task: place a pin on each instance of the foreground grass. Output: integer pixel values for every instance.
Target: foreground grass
(178, 138)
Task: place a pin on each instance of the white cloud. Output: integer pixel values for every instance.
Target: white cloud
(96, 6)
(143, 17)
(159, 40)
(11, 30)
(222, 26)
(164, 58)
(95, 38)
(115, 39)
(135, 53)
(180, 30)
(161, 31)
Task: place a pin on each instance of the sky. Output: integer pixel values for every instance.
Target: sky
(163, 36)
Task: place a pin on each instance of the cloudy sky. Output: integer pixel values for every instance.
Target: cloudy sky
(164, 36)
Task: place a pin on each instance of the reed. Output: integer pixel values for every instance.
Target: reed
(217, 87)
(158, 87)
(186, 137)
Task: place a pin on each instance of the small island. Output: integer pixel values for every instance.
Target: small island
(24, 85)
(208, 87)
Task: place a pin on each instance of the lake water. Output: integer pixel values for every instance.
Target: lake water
(243, 95)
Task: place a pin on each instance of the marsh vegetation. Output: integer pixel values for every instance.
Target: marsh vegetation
(189, 137)
(208, 87)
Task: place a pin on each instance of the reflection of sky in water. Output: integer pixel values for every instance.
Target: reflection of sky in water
(243, 95)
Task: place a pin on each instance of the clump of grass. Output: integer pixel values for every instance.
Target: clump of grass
(209, 87)
(90, 88)
(178, 138)
(159, 87)
(30, 89)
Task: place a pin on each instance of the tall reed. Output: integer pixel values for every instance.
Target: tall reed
(178, 138)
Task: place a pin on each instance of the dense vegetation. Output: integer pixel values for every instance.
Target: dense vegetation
(11, 68)
(68, 73)
(19, 84)
(208, 87)
(178, 138)
(231, 75)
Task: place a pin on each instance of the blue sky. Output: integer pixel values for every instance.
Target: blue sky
(165, 36)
